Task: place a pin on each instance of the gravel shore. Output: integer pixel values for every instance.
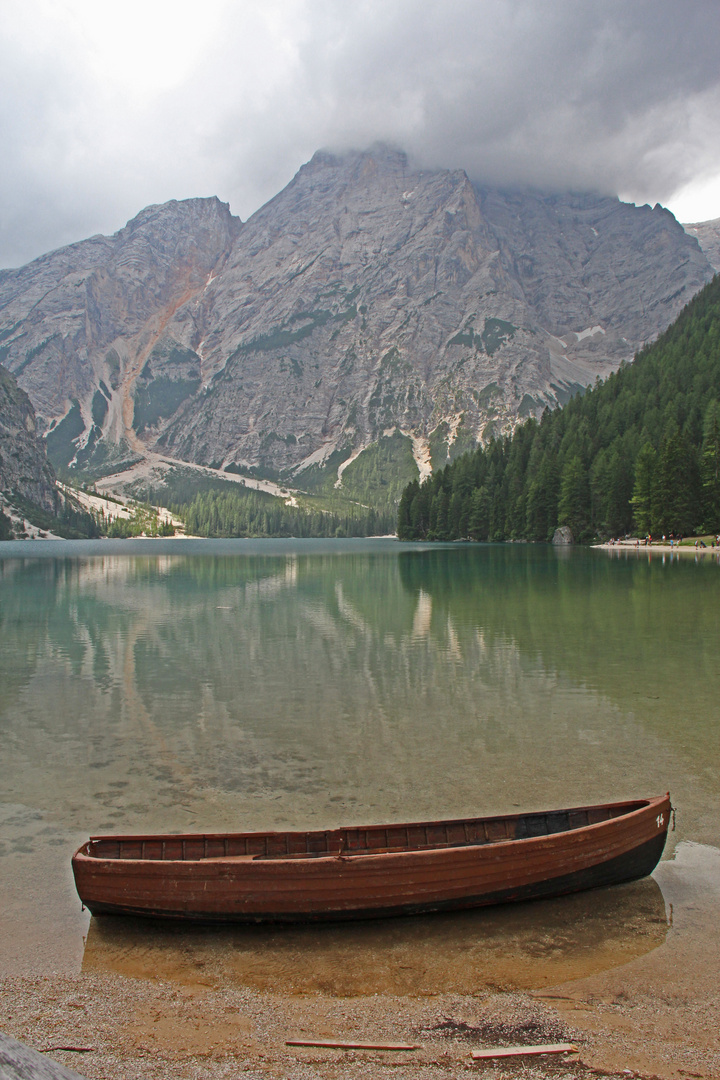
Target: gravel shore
(127, 1029)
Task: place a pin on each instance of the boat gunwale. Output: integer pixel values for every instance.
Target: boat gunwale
(637, 807)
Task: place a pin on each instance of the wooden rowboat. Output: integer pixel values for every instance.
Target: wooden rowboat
(375, 871)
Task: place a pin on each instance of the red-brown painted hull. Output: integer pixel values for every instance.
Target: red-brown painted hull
(378, 871)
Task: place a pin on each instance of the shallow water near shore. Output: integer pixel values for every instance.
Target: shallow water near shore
(526, 946)
(250, 684)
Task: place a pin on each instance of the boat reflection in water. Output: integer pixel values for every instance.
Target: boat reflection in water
(522, 946)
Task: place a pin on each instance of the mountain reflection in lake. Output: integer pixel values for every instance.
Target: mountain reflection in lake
(239, 685)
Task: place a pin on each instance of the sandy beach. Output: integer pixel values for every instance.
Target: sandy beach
(129, 1029)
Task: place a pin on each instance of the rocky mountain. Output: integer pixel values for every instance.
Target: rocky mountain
(367, 305)
(24, 468)
(707, 234)
(79, 324)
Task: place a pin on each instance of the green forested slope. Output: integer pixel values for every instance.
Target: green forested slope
(638, 452)
(255, 513)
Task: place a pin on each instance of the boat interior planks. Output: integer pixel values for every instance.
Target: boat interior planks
(373, 840)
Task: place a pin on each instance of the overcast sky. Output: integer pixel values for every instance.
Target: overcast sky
(106, 107)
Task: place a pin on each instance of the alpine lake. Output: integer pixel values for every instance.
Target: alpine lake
(186, 685)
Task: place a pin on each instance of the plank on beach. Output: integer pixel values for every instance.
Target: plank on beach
(330, 1044)
(521, 1051)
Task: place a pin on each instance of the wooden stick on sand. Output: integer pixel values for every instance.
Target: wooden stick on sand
(520, 1051)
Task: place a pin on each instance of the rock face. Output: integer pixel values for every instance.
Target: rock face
(563, 536)
(24, 467)
(80, 324)
(707, 234)
(365, 299)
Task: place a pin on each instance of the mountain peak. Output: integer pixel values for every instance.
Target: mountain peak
(185, 211)
(381, 154)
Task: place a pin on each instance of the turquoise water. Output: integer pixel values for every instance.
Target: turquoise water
(183, 685)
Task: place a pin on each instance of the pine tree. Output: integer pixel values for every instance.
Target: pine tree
(479, 517)
(642, 496)
(676, 502)
(710, 467)
(405, 528)
(574, 504)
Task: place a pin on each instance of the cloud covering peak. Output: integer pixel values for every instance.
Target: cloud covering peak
(106, 108)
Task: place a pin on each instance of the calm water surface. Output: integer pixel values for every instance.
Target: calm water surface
(248, 684)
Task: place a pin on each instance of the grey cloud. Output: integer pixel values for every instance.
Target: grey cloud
(612, 96)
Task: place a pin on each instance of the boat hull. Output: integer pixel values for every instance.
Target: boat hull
(256, 888)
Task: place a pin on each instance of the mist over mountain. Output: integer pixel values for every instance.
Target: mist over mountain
(368, 303)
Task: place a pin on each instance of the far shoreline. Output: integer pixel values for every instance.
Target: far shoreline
(657, 548)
